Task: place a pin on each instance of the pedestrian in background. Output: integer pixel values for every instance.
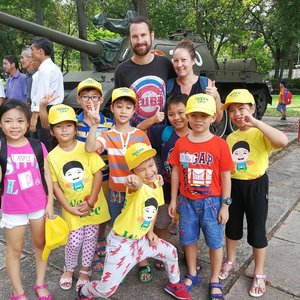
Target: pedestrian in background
(16, 82)
(31, 66)
(281, 107)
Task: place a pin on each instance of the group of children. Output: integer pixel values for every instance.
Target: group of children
(207, 181)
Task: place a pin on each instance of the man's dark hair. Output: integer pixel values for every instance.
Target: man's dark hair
(139, 20)
(42, 43)
(12, 60)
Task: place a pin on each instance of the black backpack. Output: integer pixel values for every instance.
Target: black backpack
(38, 152)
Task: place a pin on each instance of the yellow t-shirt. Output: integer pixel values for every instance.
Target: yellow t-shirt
(250, 152)
(73, 171)
(139, 211)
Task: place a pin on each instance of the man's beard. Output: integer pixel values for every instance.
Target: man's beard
(140, 52)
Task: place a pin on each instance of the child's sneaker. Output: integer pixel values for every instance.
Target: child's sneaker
(82, 297)
(178, 291)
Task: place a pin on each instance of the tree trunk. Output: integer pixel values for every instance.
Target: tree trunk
(291, 59)
(141, 7)
(84, 58)
(38, 12)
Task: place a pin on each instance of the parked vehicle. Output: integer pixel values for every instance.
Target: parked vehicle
(107, 54)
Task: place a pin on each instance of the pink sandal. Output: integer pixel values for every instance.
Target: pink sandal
(257, 285)
(40, 287)
(227, 267)
(82, 282)
(18, 297)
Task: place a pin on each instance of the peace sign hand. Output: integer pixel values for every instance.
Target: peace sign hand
(93, 113)
(48, 99)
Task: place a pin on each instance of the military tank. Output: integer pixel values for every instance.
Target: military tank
(107, 54)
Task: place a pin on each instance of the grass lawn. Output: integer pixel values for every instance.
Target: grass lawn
(293, 110)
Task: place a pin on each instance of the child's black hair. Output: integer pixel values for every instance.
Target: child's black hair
(175, 99)
(15, 104)
(124, 98)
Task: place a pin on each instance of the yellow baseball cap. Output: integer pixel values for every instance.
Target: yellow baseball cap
(238, 96)
(138, 153)
(201, 103)
(123, 92)
(56, 233)
(61, 112)
(89, 83)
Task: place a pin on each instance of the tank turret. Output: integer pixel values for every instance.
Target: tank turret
(107, 54)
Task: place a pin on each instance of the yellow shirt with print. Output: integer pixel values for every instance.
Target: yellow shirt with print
(139, 211)
(73, 171)
(250, 152)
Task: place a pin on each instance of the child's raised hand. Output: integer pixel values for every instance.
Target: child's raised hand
(159, 115)
(94, 112)
(48, 99)
(133, 182)
(250, 121)
(160, 180)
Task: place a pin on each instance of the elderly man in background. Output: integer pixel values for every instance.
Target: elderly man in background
(31, 66)
(48, 80)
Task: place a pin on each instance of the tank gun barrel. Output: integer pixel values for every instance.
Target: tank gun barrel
(91, 48)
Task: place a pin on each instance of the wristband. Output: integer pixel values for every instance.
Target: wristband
(89, 205)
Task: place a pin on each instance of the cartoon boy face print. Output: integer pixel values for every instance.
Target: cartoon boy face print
(150, 210)
(240, 154)
(73, 173)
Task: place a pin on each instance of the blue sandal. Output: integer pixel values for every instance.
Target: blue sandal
(196, 280)
(216, 285)
(100, 251)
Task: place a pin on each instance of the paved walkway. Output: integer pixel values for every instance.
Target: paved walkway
(282, 264)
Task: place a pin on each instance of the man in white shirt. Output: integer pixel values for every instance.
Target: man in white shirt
(48, 80)
(2, 93)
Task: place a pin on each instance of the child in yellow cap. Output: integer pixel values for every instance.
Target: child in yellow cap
(250, 146)
(132, 238)
(116, 142)
(89, 96)
(201, 170)
(77, 179)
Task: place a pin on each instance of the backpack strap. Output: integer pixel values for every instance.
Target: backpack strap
(166, 134)
(170, 85)
(38, 152)
(3, 162)
(203, 83)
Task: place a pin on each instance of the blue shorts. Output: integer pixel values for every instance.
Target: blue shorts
(280, 107)
(115, 201)
(200, 214)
